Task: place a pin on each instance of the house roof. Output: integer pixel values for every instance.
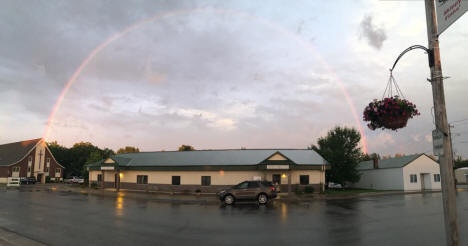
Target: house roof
(13, 152)
(214, 157)
(396, 162)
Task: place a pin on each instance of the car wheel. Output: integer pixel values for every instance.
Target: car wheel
(228, 199)
(262, 199)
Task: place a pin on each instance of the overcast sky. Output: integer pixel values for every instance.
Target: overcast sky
(220, 74)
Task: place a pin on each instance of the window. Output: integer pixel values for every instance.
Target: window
(29, 169)
(30, 159)
(48, 162)
(413, 178)
(99, 177)
(437, 177)
(175, 180)
(205, 180)
(58, 170)
(16, 169)
(304, 179)
(46, 169)
(142, 179)
(254, 185)
(243, 185)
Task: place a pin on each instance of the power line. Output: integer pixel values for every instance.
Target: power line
(456, 121)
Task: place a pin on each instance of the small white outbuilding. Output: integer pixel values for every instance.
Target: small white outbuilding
(408, 173)
(461, 175)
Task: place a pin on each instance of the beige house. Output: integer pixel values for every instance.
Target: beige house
(409, 173)
(461, 175)
(209, 170)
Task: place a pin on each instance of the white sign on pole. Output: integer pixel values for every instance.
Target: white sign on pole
(448, 11)
(438, 142)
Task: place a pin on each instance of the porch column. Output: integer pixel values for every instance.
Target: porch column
(118, 180)
(289, 184)
(103, 178)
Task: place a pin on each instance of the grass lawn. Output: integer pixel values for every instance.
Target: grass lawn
(350, 191)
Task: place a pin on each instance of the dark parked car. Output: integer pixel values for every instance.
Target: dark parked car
(260, 191)
(29, 180)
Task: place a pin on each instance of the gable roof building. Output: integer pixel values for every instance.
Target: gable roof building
(224, 167)
(396, 162)
(28, 158)
(409, 173)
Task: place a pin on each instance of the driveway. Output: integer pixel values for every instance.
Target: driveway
(67, 218)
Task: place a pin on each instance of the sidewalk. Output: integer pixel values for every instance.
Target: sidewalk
(9, 238)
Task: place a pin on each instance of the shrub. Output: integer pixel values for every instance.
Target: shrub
(47, 179)
(298, 191)
(94, 185)
(309, 189)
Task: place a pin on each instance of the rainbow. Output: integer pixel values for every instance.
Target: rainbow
(306, 45)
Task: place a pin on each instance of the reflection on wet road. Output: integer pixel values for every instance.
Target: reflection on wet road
(65, 218)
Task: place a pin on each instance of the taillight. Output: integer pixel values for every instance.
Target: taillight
(272, 188)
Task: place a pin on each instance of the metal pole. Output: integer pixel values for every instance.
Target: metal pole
(445, 160)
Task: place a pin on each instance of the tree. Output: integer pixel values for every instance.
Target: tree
(184, 147)
(459, 162)
(128, 149)
(341, 149)
(367, 157)
(399, 155)
(74, 158)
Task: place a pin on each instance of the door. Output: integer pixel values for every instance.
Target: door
(276, 178)
(241, 190)
(426, 181)
(39, 178)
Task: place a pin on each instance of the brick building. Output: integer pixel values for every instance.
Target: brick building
(29, 158)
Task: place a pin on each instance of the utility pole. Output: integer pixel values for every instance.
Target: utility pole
(445, 160)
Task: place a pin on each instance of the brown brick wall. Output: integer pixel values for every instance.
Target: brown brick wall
(53, 165)
(23, 164)
(4, 171)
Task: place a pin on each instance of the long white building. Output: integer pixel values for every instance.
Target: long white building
(210, 170)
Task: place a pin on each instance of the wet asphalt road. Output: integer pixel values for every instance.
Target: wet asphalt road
(65, 218)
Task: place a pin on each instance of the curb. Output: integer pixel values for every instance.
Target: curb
(10, 238)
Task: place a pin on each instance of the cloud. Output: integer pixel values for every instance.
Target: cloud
(375, 35)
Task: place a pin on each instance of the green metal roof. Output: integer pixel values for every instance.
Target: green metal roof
(215, 157)
(395, 162)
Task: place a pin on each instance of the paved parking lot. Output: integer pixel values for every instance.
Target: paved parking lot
(67, 218)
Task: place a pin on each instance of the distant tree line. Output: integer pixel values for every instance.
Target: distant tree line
(75, 158)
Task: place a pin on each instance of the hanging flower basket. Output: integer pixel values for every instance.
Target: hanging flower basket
(389, 113)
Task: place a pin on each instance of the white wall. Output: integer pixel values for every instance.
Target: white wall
(381, 179)
(460, 175)
(422, 165)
